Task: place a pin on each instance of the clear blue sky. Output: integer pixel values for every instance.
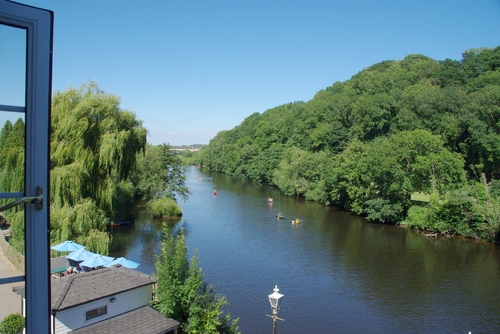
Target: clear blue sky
(190, 69)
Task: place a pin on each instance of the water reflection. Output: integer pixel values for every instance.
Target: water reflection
(338, 272)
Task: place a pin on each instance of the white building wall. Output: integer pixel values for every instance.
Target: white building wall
(74, 318)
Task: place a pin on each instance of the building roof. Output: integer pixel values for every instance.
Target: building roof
(141, 320)
(69, 291)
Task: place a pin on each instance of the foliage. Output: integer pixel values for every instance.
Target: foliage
(123, 198)
(93, 149)
(83, 223)
(12, 154)
(485, 201)
(160, 173)
(92, 138)
(12, 157)
(378, 178)
(165, 207)
(446, 216)
(183, 295)
(12, 324)
(367, 144)
(17, 228)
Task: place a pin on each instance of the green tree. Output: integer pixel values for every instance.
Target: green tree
(449, 73)
(372, 115)
(92, 138)
(160, 173)
(82, 222)
(12, 154)
(183, 295)
(486, 207)
(478, 61)
(12, 157)
(449, 215)
(93, 148)
(4, 133)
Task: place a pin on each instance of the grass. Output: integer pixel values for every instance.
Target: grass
(420, 197)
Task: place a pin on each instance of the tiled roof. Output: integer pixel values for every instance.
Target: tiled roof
(81, 288)
(140, 321)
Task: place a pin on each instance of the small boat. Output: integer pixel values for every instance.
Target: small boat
(296, 221)
(118, 223)
(280, 216)
(270, 200)
(214, 192)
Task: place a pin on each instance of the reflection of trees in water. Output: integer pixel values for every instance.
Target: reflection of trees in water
(394, 268)
(141, 239)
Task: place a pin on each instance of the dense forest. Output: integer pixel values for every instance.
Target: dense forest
(370, 144)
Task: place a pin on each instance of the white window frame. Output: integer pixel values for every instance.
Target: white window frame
(38, 24)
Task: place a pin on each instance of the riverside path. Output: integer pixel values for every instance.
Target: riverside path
(10, 302)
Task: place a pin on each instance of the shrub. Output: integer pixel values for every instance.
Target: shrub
(12, 324)
(165, 208)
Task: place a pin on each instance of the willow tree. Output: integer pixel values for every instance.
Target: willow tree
(12, 176)
(12, 157)
(93, 140)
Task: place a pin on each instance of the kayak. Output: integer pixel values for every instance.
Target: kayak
(280, 217)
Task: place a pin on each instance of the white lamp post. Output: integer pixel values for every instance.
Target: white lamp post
(274, 300)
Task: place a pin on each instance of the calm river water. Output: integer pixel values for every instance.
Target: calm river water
(339, 273)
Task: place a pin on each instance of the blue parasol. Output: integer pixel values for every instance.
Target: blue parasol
(96, 260)
(67, 246)
(124, 262)
(80, 255)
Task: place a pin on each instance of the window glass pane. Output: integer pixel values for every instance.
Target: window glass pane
(12, 155)
(96, 312)
(12, 66)
(12, 148)
(12, 134)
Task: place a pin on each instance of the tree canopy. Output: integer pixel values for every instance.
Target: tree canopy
(92, 138)
(160, 173)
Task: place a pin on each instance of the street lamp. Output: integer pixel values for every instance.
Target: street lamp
(274, 299)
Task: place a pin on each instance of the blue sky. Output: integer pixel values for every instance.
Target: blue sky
(190, 69)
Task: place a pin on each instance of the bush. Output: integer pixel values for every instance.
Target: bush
(165, 208)
(12, 324)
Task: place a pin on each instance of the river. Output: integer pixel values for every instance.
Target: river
(338, 273)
